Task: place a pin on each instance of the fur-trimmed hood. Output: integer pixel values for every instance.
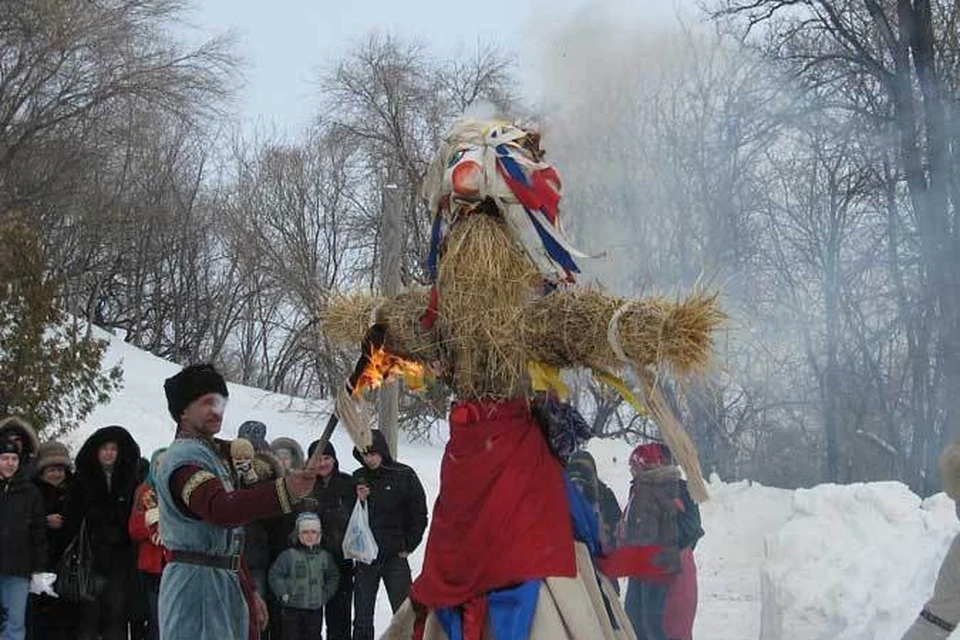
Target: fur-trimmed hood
(267, 466)
(28, 436)
(126, 471)
(293, 446)
(950, 470)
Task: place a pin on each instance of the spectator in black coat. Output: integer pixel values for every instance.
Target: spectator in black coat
(23, 545)
(335, 495)
(54, 618)
(397, 508)
(108, 472)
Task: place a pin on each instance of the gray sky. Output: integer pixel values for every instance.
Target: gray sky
(286, 42)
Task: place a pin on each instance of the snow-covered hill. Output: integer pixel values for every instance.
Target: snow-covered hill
(831, 563)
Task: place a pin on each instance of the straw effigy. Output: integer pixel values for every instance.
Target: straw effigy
(493, 317)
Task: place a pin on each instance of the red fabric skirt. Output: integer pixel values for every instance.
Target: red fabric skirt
(681, 606)
(501, 517)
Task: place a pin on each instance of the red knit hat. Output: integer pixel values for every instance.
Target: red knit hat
(646, 455)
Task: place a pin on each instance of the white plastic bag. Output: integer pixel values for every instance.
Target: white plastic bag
(358, 542)
(43, 583)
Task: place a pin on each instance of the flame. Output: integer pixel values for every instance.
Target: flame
(383, 366)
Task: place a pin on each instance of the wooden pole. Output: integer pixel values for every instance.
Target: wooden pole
(392, 238)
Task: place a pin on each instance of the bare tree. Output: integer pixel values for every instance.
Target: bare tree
(893, 64)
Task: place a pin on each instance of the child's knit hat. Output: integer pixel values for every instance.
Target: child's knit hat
(308, 521)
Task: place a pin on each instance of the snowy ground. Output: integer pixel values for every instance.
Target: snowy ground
(831, 563)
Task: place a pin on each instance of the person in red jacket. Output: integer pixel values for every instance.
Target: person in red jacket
(145, 532)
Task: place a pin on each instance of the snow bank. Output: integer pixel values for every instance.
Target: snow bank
(853, 562)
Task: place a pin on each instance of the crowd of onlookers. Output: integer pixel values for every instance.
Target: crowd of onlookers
(106, 498)
(107, 495)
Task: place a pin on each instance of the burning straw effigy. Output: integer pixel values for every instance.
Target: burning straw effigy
(505, 304)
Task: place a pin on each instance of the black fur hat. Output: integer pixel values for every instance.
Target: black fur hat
(191, 383)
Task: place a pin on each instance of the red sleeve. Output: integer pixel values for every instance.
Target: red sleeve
(202, 495)
(139, 531)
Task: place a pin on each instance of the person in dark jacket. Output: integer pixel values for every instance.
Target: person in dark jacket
(335, 494)
(108, 472)
(582, 470)
(54, 618)
(21, 433)
(23, 542)
(397, 508)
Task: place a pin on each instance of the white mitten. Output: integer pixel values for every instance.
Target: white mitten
(43, 583)
(152, 516)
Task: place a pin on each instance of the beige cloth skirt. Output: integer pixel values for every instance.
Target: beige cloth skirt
(567, 609)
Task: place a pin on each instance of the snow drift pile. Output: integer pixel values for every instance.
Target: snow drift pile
(853, 562)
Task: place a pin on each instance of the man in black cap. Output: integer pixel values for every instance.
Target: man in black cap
(205, 591)
(335, 494)
(397, 507)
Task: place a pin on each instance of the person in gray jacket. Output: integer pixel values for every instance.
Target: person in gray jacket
(941, 613)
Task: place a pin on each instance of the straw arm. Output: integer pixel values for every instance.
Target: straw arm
(587, 327)
(346, 320)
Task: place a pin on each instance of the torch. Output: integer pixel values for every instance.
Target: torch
(350, 408)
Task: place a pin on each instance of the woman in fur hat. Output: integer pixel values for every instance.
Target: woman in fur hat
(939, 617)
(289, 452)
(54, 618)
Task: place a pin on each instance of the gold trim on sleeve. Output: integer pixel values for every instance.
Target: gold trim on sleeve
(283, 496)
(195, 481)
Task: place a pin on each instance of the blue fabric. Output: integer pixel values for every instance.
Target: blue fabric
(511, 166)
(13, 598)
(197, 602)
(586, 529)
(584, 518)
(451, 621)
(553, 248)
(511, 611)
(436, 236)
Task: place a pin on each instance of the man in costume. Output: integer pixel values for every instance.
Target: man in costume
(205, 591)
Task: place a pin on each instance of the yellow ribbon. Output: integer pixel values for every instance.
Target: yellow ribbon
(546, 378)
(621, 387)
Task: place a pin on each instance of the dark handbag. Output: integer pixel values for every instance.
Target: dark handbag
(689, 528)
(76, 580)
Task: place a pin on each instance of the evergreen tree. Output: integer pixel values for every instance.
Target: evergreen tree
(50, 365)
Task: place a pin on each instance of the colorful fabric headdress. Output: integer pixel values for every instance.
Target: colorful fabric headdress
(499, 162)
